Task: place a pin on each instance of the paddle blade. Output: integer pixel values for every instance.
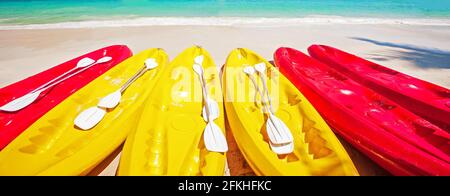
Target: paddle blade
(104, 59)
(260, 67)
(198, 69)
(282, 148)
(150, 63)
(111, 100)
(249, 70)
(199, 59)
(214, 111)
(21, 102)
(214, 138)
(277, 131)
(89, 118)
(85, 62)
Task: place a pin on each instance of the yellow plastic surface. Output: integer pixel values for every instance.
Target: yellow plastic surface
(53, 145)
(317, 151)
(169, 136)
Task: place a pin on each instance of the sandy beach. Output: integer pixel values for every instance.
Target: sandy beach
(422, 51)
(419, 50)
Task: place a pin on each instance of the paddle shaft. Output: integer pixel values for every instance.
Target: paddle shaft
(123, 88)
(132, 79)
(264, 103)
(261, 94)
(55, 79)
(47, 86)
(205, 93)
(205, 96)
(266, 90)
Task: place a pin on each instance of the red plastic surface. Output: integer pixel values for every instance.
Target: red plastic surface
(421, 97)
(14, 123)
(398, 140)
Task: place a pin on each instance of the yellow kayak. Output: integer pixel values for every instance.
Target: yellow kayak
(316, 150)
(169, 137)
(53, 145)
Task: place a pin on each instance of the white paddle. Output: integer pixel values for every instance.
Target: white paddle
(282, 148)
(89, 117)
(276, 123)
(27, 99)
(213, 110)
(93, 115)
(261, 69)
(213, 136)
(212, 104)
(112, 100)
(271, 128)
(84, 62)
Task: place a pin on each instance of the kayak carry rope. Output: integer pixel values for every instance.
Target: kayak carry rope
(281, 140)
(25, 100)
(213, 136)
(93, 115)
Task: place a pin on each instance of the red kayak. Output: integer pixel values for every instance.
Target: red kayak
(423, 98)
(14, 123)
(398, 140)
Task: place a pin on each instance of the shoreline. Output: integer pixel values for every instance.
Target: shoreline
(230, 21)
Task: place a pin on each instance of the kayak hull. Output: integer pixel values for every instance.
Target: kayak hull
(168, 140)
(53, 145)
(350, 115)
(13, 123)
(428, 100)
(317, 151)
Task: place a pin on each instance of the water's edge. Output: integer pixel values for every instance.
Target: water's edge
(228, 21)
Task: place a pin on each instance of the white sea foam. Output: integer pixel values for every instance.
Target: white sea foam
(228, 21)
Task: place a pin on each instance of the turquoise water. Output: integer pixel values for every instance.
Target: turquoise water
(54, 11)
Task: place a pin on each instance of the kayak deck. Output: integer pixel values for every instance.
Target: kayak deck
(169, 137)
(53, 145)
(13, 123)
(421, 97)
(317, 151)
(387, 129)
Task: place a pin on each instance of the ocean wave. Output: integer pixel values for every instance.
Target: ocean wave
(227, 21)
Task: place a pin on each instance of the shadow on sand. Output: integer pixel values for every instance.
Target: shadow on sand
(421, 56)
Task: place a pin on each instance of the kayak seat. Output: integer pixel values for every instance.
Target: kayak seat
(181, 128)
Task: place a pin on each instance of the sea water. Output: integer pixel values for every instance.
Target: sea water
(69, 12)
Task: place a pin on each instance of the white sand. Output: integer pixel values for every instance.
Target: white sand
(421, 51)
